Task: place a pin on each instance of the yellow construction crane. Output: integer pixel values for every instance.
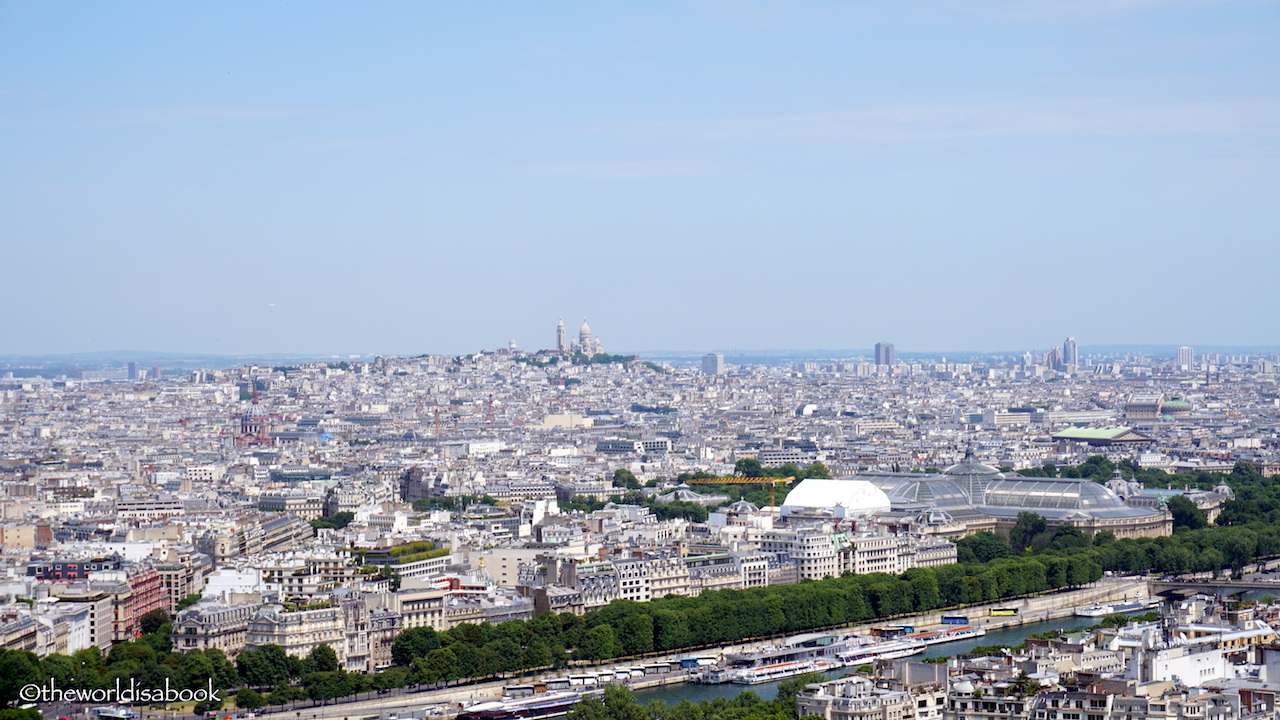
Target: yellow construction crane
(772, 482)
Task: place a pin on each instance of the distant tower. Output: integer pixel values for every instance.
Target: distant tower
(884, 353)
(713, 364)
(155, 373)
(1070, 352)
(562, 345)
(1186, 358)
(1053, 358)
(133, 371)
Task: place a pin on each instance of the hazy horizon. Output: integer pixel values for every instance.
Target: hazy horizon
(146, 357)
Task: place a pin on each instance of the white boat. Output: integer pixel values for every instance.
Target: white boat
(948, 634)
(821, 648)
(769, 673)
(535, 707)
(1117, 608)
(882, 651)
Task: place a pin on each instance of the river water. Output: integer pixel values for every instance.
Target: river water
(1012, 635)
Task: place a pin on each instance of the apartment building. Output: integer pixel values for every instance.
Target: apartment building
(299, 630)
(210, 624)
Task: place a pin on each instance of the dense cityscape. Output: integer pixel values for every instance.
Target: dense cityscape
(925, 378)
(369, 518)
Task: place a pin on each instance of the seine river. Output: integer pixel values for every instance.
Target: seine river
(1012, 635)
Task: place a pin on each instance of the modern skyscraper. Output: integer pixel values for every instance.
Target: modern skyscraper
(884, 353)
(1070, 352)
(133, 371)
(713, 364)
(1186, 358)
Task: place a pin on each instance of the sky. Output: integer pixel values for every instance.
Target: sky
(415, 177)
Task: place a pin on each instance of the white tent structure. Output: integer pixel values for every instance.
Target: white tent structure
(844, 498)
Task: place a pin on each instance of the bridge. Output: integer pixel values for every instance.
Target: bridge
(1220, 588)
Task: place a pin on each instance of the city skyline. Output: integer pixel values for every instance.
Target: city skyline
(419, 178)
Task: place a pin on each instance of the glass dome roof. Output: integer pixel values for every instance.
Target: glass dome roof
(1064, 494)
(924, 489)
(970, 466)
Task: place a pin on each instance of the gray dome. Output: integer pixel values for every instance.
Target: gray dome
(972, 476)
(1052, 494)
(970, 466)
(928, 490)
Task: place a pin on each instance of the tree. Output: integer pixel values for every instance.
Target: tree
(17, 668)
(439, 664)
(598, 643)
(982, 547)
(637, 634)
(1067, 537)
(748, 467)
(194, 669)
(1246, 470)
(265, 666)
(621, 704)
(924, 588)
(633, 497)
(413, 643)
(20, 714)
(624, 478)
(59, 668)
(321, 659)
(1114, 621)
(1025, 529)
(153, 621)
(336, 521)
(283, 693)
(1186, 516)
(325, 686)
(160, 641)
(817, 470)
(250, 699)
(224, 671)
(589, 708)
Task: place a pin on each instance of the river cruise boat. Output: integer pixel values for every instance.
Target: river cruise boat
(1116, 608)
(769, 673)
(819, 649)
(947, 634)
(533, 707)
(883, 650)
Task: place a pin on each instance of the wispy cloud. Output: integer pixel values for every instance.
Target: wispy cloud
(930, 121)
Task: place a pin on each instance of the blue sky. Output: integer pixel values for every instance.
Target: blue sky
(440, 177)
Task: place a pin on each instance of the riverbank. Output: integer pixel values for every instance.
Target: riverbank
(446, 701)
